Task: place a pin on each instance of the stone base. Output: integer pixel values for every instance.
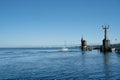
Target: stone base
(102, 49)
(84, 48)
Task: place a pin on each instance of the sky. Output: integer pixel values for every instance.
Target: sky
(28, 23)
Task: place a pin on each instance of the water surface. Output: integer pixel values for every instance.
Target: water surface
(52, 64)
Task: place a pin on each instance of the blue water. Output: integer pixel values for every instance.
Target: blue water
(52, 64)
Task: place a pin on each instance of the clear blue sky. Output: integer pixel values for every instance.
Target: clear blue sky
(51, 22)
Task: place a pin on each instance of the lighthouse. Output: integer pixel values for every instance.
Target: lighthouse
(83, 44)
(106, 42)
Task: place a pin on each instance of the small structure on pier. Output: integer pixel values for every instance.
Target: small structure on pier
(83, 44)
(106, 42)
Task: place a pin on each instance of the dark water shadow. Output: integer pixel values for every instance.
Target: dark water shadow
(106, 62)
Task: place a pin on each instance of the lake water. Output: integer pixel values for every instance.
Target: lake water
(52, 64)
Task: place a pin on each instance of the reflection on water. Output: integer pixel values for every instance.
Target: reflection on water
(106, 65)
(110, 65)
(45, 64)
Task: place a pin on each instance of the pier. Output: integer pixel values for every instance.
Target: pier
(105, 47)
